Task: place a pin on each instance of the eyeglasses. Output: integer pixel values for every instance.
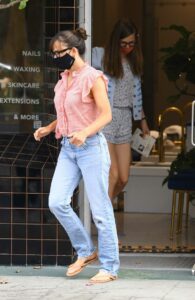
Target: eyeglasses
(124, 44)
(55, 54)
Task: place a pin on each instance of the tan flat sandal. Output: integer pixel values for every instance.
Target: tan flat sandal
(102, 277)
(80, 264)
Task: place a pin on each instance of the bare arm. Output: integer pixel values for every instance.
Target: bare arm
(43, 131)
(103, 106)
(144, 124)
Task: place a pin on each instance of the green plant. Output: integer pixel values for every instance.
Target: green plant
(178, 62)
(6, 4)
(184, 161)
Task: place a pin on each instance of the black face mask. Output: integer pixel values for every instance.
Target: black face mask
(65, 62)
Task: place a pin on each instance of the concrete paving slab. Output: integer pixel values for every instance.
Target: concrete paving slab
(149, 279)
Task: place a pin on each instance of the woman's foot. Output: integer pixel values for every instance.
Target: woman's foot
(80, 264)
(102, 277)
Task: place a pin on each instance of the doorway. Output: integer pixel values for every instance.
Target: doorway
(143, 209)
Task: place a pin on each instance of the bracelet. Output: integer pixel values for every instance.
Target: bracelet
(144, 118)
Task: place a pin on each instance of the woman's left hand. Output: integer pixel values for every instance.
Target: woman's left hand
(77, 138)
(144, 127)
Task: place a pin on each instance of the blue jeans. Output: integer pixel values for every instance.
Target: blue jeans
(92, 162)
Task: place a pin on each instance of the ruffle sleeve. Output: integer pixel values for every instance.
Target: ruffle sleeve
(57, 86)
(88, 83)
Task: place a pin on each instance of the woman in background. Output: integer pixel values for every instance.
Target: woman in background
(121, 60)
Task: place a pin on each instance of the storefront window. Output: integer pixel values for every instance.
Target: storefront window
(21, 68)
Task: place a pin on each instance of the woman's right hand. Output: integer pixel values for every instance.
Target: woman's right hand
(41, 132)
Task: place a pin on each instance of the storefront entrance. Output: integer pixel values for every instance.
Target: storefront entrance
(143, 210)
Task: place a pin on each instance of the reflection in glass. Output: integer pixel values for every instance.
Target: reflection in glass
(21, 75)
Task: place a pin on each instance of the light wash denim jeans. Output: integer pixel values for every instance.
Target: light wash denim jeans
(92, 162)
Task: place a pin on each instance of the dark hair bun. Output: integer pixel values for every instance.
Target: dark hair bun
(81, 32)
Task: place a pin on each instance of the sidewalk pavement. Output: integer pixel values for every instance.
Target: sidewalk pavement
(50, 283)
